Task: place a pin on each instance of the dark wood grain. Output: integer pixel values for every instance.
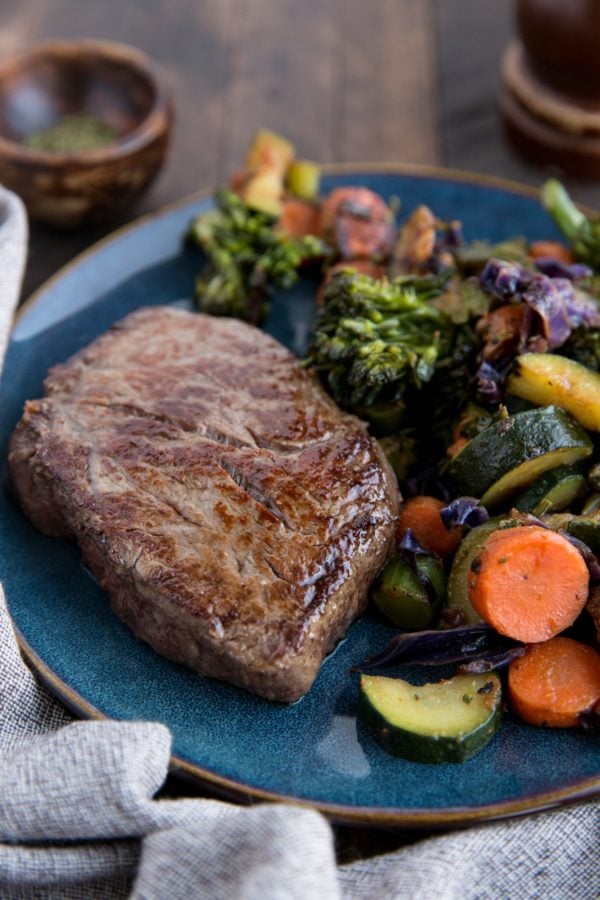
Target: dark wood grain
(344, 80)
(471, 38)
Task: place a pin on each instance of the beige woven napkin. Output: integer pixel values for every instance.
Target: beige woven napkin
(78, 818)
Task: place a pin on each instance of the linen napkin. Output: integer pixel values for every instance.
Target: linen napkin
(78, 818)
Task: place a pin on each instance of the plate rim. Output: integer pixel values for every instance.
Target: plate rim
(455, 816)
(384, 817)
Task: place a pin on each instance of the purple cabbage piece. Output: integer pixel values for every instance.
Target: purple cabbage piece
(555, 268)
(583, 310)
(441, 647)
(548, 298)
(489, 382)
(504, 280)
(464, 511)
(452, 234)
(557, 305)
(491, 661)
(409, 549)
(409, 546)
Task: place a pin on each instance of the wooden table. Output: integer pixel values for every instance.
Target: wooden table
(346, 80)
(386, 80)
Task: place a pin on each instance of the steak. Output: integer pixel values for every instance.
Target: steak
(233, 513)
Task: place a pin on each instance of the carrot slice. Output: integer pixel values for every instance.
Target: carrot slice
(555, 682)
(552, 249)
(422, 515)
(528, 583)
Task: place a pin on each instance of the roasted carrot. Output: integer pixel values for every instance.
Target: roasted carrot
(554, 682)
(422, 515)
(300, 217)
(552, 250)
(529, 583)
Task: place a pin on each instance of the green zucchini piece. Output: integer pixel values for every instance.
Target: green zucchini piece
(585, 528)
(514, 451)
(458, 588)
(403, 599)
(448, 721)
(545, 378)
(591, 507)
(303, 178)
(553, 491)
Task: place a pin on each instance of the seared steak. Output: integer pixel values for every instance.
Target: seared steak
(235, 516)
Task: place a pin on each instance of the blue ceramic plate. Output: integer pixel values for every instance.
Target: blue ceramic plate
(313, 751)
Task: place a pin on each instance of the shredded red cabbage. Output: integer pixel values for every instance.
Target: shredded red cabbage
(441, 647)
(490, 382)
(558, 306)
(555, 268)
(464, 512)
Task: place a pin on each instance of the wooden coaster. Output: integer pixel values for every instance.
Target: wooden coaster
(546, 125)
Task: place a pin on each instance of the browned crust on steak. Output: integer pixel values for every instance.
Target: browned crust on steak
(235, 516)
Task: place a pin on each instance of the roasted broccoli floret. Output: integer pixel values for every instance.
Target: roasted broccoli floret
(374, 339)
(246, 258)
(583, 233)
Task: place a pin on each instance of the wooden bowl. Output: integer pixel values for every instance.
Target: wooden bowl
(114, 83)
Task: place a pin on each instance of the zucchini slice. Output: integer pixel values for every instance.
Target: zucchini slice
(584, 528)
(404, 599)
(448, 721)
(458, 579)
(546, 378)
(591, 507)
(514, 451)
(553, 492)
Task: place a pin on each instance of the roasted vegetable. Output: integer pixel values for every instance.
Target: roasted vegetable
(302, 179)
(553, 491)
(528, 583)
(416, 242)
(546, 378)
(555, 307)
(515, 450)
(583, 233)
(471, 258)
(246, 258)
(458, 581)
(555, 682)
(422, 515)
(447, 395)
(584, 528)
(269, 150)
(374, 339)
(358, 223)
(445, 722)
(408, 595)
(441, 647)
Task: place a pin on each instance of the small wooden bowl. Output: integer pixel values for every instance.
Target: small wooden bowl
(112, 82)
